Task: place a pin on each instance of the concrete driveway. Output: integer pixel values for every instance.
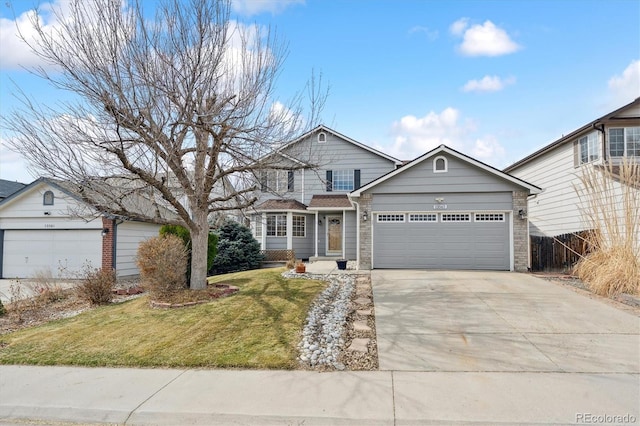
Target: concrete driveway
(476, 321)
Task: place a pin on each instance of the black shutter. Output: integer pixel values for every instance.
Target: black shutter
(290, 181)
(263, 180)
(329, 181)
(356, 179)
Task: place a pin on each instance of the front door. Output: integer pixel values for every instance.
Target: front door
(334, 235)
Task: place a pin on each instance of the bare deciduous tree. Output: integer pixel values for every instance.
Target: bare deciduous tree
(171, 111)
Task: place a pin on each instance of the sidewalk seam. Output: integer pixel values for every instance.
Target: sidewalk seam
(151, 396)
(393, 398)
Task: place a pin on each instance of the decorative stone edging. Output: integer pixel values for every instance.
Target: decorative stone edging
(227, 290)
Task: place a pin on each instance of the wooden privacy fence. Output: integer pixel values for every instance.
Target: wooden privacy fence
(558, 253)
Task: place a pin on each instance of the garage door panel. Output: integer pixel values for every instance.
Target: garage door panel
(63, 252)
(442, 245)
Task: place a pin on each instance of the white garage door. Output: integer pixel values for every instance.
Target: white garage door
(474, 240)
(63, 252)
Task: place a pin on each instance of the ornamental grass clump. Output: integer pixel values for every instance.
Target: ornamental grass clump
(610, 202)
(163, 266)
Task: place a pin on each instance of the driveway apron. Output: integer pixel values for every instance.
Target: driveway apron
(477, 321)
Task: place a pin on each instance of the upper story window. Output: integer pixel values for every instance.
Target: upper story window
(624, 142)
(277, 181)
(588, 146)
(440, 165)
(343, 180)
(47, 198)
(322, 137)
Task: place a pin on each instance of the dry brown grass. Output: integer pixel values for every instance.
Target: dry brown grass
(610, 203)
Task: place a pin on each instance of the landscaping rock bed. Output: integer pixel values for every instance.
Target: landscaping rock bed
(339, 333)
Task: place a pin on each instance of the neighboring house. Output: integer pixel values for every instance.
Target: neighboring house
(443, 210)
(46, 227)
(8, 187)
(558, 166)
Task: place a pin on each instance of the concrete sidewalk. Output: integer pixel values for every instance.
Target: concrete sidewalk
(37, 395)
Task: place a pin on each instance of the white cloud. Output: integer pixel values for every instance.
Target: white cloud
(483, 40)
(458, 27)
(255, 7)
(488, 150)
(488, 84)
(626, 87)
(429, 33)
(413, 136)
(13, 166)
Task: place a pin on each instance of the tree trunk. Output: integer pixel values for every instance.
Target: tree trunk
(199, 246)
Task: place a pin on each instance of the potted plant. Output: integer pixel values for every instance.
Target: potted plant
(342, 264)
(300, 267)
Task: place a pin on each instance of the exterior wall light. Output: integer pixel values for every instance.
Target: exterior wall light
(104, 232)
(365, 217)
(522, 213)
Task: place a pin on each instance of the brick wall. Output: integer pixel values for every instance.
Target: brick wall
(365, 232)
(520, 233)
(107, 244)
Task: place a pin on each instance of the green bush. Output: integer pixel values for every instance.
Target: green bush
(163, 266)
(237, 249)
(97, 286)
(185, 235)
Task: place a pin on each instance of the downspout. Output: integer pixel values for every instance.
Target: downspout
(114, 243)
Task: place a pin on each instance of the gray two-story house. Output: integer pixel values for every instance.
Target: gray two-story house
(331, 196)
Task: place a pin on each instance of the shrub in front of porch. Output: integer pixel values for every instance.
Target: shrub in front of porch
(237, 249)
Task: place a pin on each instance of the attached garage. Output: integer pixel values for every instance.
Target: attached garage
(444, 210)
(430, 240)
(31, 251)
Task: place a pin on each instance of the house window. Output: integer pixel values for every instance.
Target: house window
(47, 198)
(588, 148)
(390, 217)
(277, 225)
(489, 217)
(423, 217)
(624, 142)
(257, 227)
(277, 181)
(342, 180)
(299, 225)
(455, 217)
(440, 165)
(322, 137)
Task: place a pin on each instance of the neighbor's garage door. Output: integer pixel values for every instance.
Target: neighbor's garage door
(63, 252)
(475, 240)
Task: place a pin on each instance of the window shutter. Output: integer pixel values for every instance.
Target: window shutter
(329, 181)
(263, 181)
(356, 179)
(290, 181)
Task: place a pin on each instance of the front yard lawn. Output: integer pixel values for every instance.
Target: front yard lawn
(259, 327)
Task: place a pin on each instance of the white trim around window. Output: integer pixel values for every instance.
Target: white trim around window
(440, 164)
(390, 217)
(423, 217)
(299, 226)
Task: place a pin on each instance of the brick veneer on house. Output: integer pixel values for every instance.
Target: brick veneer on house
(107, 244)
(520, 233)
(365, 232)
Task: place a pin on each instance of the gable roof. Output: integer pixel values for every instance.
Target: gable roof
(592, 125)
(138, 204)
(323, 128)
(8, 187)
(277, 204)
(445, 149)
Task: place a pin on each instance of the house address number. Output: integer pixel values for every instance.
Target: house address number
(49, 225)
(439, 206)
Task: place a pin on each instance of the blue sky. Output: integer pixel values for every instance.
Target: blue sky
(494, 79)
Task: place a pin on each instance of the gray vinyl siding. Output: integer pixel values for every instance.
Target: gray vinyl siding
(422, 202)
(334, 154)
(303, 246)
(276, 243)
(460, 177)
(129, 235)
(350, 220)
